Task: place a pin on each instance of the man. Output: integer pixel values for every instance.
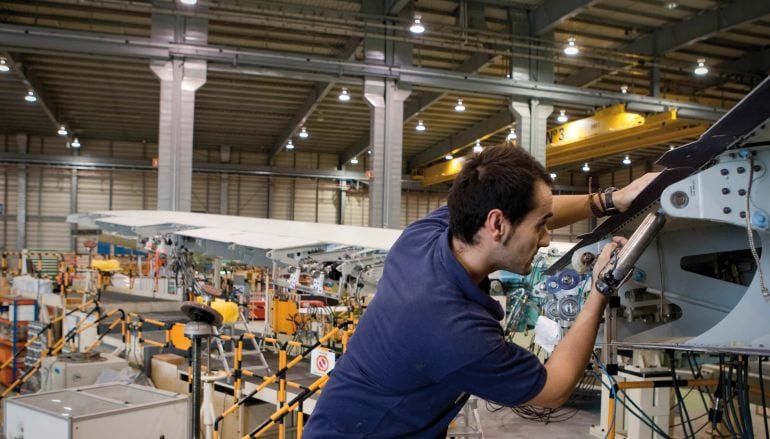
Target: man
(431, 336)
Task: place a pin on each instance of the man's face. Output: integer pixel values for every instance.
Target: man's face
(520, 246)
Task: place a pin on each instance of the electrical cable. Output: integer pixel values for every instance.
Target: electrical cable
(683, 414)
(762, 392)
(745, 392)
(749, 232)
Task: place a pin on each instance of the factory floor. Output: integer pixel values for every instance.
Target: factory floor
(504, 423)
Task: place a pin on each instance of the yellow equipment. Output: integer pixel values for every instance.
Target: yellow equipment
(284, 313)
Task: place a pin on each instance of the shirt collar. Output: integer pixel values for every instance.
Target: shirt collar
(460, 277)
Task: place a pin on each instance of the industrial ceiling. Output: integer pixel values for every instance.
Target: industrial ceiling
(88, 62)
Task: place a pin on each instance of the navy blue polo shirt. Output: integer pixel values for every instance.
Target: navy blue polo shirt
(428, 339)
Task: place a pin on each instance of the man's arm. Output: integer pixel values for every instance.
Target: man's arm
(568, 209)
(568, 362)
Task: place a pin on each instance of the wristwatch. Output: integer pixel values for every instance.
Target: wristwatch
(609, 205)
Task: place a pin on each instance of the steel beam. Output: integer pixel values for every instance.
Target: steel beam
(551, 13)
(683, 33)
(317, 94)
(31, 38)
(33, 83)
(468, 136)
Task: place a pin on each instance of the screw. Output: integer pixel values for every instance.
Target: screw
(741, 192)
(741, 169)
(724, 172)
(757, 168)
(727, 210)
(742, 214)
(725, 191)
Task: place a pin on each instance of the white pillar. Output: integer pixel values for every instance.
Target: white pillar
(531, 123)
(179, 79)
(386, 140)
(21, 195)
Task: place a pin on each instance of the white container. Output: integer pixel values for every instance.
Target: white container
(114, 411)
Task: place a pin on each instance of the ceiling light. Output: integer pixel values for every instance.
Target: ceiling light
(553, 176)
(354, 161)
(477, 148)
(76, 143)
(448, 156)
(459, 107)
(671, 5)
(512, 135)
(303, 133)
(344, 96)
(571, 49)
(417, 26)
(188, 2)
(4, 66)
(586, 168)
(30, 97)
(420, 126)
(62, 130)
(369, 152)
(626, 161)
(562, 116)
(701, 68)
(670, 147)
(290, 145)
(624, 89)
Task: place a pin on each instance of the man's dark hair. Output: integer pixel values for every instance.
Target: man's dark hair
(500, 177)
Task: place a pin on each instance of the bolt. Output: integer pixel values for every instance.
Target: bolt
(742, 214)
(741, 169)
(724, 172)
(741, 192)
(727, 210)
(757, 168)
(725, 191)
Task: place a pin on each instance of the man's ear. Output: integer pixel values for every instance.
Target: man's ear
(496, 224)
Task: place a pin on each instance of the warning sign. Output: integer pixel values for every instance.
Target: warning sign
(321, 361)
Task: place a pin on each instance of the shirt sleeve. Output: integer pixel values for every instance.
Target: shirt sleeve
(508, 375)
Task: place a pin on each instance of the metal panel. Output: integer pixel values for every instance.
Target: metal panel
(11, 186)
(128, 189)
(48, 235)
(305, 192)
(248, 196)
(93, 191)
(150, 190)
(205, 192)
(281, 194)
(328, 204)
(48, 192)
(8, 235)
(356, 208)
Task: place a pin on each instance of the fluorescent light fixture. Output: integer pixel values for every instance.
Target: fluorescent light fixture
(369, 152)
(354, 161)
(417, 27)
(290, 145)
(459, 107)
(627, 161)
(571, 49)
(586, 168)
(671, 147)
(188, 2)
(671, 5)
(701, 68)
(477, 148)
(562, 116)
(62, 130)
(420, 126)
(448, 156)
(553, 176)
(303, 133)
(76, 143)
(4, 65)
(344, 96)
(624, 89)
(30, 97)
(512, 135)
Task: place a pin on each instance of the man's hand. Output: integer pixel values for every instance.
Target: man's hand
(622, 198)
(606, 254)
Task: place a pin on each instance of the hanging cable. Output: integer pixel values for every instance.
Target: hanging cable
(750, 232)
(683, 414)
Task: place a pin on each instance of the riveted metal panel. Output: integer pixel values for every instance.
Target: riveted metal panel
(128, 189)
(248, 196)
(93, 191)
(281, 198)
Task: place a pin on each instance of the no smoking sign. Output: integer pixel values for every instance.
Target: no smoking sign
(321, 361)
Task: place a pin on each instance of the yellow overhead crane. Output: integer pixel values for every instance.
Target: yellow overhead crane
(610, 131)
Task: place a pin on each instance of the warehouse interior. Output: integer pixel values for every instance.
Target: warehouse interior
(165, 158)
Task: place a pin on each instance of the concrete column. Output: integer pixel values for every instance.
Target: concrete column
(179, 79)
(22, 141)
(386, 100)
(531, 122)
